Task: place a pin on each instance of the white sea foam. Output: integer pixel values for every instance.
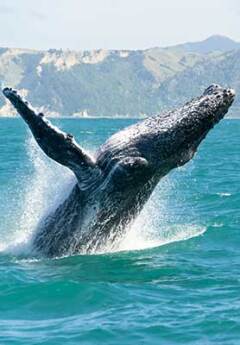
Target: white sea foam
(222, 194)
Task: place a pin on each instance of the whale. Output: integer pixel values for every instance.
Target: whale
(113, 185)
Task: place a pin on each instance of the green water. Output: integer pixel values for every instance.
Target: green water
(176, 277)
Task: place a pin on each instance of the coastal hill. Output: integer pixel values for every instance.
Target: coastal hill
(119, 82)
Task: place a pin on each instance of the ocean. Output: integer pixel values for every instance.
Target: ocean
(175, 277)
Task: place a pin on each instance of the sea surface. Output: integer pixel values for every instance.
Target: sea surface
(175, 278)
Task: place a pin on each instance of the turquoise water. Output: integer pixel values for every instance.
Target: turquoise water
(174, 278)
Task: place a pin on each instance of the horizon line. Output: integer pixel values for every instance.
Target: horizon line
(124, 49)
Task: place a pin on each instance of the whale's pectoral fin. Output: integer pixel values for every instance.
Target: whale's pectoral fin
(58, 145)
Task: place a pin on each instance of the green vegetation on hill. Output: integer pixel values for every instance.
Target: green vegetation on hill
(119, 83)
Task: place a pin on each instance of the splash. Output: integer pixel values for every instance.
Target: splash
(142, 237)
(158, 224)
(49, 184)
(166, 217)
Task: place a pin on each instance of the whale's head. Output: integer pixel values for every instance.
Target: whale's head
(173, 138)
(163, 142)
(217, 100)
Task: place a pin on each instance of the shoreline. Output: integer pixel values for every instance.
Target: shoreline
(101, 117)
(82, 118)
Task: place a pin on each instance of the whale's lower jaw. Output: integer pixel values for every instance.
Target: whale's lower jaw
(112, 188)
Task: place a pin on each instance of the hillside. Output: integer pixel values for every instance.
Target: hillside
(118, 83)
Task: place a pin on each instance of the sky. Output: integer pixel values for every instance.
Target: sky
(114, 24)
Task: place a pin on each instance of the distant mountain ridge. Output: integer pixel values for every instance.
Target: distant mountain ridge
(119, 82)
(213, 43)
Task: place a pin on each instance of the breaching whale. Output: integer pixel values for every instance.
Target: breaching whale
(113, 186)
